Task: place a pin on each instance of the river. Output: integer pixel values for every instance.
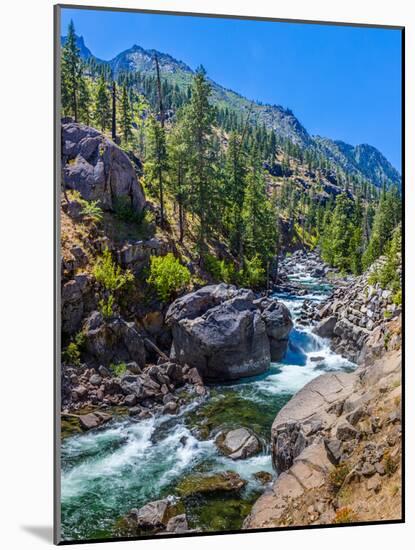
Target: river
(126, 464)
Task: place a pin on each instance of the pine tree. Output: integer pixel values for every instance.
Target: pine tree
(234, 188)
(71, 72)
(178, 173)
(199, 116)
(258, 215)
(156, 163)
(84, 102)
(102, 105)
(126, 117)
(387, 217)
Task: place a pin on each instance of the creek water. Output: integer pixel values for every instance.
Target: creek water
(126, 464)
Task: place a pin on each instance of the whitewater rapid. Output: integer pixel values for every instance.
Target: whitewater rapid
(128, 463)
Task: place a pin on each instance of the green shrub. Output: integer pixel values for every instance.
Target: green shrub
(89, 208)
(119, 369)
(109, 274)
(106, 307)
(92, 210)
(220, 269)
(72, 353)
(397, 297)
(252, 274)
(167, 276)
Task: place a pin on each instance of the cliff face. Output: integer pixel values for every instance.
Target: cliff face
(337, 446)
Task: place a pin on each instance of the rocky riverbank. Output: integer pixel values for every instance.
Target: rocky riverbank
(336, 445)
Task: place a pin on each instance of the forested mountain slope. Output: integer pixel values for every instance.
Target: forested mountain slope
(363, 160)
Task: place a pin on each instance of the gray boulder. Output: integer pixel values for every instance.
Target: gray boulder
(113, 340)
(239, 443)
(221, 331)
(278, 324)
(98, 169)
(178, 524)
(227, 342)
(152, 516)
(196, 303)
(325, 328)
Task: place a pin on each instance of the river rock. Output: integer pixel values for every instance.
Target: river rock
(113, 340)
(199, 484)
(153, 516)
(263, 477)
(93, 420)
(325, 327)
(219, 331)
(177, 524)
(98, 168)
(239, 443)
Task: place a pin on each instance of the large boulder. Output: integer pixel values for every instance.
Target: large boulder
(222, 332)
(196, 303)
(98, 168)
(325, 328)
(227, 342)
(113, 340)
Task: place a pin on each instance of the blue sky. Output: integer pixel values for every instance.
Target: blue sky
(341, 82)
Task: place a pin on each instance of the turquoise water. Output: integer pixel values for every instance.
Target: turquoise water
(126, 464)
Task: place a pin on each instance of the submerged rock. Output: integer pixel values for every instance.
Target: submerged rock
(200, 484)
(237, 444)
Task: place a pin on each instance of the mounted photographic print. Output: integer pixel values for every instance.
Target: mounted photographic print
(229, 278)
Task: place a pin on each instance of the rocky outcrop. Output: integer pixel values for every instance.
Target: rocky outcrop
(239, 443)
(225, 333)
(98, 168)
(358, 313)
(76, 298)
(135, 255)
(113, 340)
(342, 430)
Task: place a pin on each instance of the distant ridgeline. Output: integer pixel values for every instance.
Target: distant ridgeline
(246, 181)
(136, 67)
